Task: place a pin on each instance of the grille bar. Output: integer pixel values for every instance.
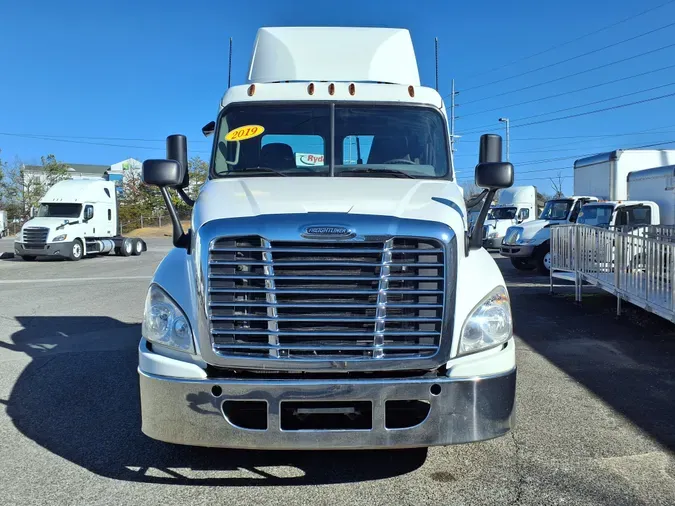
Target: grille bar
(349, 300)
(35, 235)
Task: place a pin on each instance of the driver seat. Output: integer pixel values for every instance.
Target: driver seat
(386, 148)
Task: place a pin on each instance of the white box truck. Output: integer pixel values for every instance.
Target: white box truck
(656, 185)
(338, 305)
(606, 175)
(76, 218)
(602, 177)
(514, 205)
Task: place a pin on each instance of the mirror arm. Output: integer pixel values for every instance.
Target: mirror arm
(180, 238)
(185, 197)
(475, 240)
(474, 201)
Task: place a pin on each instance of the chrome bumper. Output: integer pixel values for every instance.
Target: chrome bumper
(516, 250)
(187, 411)
(52, 249)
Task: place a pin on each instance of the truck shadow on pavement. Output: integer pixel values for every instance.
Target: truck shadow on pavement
(79, 399)
(628, 362)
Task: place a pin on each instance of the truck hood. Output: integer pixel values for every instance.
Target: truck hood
(531, 228)
(50, 223)
(403, 198)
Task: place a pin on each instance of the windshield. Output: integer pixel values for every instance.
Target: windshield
(556, 210)
(295, 140)
(60, 210)
(504, 213)
(597, 216)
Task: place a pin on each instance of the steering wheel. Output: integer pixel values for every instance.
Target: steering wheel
(400, 160)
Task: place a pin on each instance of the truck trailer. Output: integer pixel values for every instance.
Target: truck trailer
(338, 305)
(76, 218)
(4, 230)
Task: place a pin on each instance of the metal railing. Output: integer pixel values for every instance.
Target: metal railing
(636, 264)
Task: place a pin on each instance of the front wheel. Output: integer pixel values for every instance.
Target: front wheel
(521, 264)
(544, 260)
(76, 250)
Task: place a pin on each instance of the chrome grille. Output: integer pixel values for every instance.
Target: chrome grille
(330, 299)
(35, 237)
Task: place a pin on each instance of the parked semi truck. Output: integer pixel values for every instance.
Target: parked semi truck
(602, 177)
(76, 218)
(515, 205)
(342, 305)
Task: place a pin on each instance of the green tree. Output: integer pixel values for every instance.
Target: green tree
(53, 171)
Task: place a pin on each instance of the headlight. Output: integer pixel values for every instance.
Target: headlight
(165, 323)
(489, 324)
(61, 237)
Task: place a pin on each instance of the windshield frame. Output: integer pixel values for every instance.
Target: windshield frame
(595, 205)
(48, 204)
(330, 146)
(567, 215)
(510, 208)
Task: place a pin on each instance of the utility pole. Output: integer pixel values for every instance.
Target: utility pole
(436, 56)
(508, 137)
(452, 115)
(229, 66)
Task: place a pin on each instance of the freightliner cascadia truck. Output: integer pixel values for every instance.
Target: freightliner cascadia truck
(344, 304)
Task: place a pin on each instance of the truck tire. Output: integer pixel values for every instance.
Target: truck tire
(137, 247)
(522, 264)
(127, 247)
(28, 258)
(76, 251)
(544, 259)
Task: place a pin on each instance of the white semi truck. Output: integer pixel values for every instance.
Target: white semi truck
(602, 177)
(338, 305)
(76, 218)
(515, 205)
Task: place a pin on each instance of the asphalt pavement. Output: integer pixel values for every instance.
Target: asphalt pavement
(595, 411)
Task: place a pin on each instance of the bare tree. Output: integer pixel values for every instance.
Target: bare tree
(557, 184)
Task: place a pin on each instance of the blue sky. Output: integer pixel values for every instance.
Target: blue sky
(143, 70)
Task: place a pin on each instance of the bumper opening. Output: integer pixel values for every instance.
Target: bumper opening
(405, 414)
(251, 415)
(326, 415)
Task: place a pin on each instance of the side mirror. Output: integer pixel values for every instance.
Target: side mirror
(176, 149)
(88, 213)
(494, 175)
(162, 173)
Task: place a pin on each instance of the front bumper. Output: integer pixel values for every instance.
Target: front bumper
(51, 249)
(186, 411)
(492, 243)
(517, 250)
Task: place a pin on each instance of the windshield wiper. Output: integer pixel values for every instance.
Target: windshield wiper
(67, 223)
(366, 170)
(264, 170)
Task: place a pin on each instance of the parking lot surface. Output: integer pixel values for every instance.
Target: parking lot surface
(595, 412)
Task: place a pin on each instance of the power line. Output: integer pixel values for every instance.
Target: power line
(562, 44)
(561, 78)
(55, 139)
(533, 162)
(555, 64)
(93, 138)
(586, 113)
(557, 95)
(477, 129)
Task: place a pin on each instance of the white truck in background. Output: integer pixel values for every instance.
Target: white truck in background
(658, 186)
(76, 218)
(514, 205)
(602, 177)
(333, 306)
(4, 230)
